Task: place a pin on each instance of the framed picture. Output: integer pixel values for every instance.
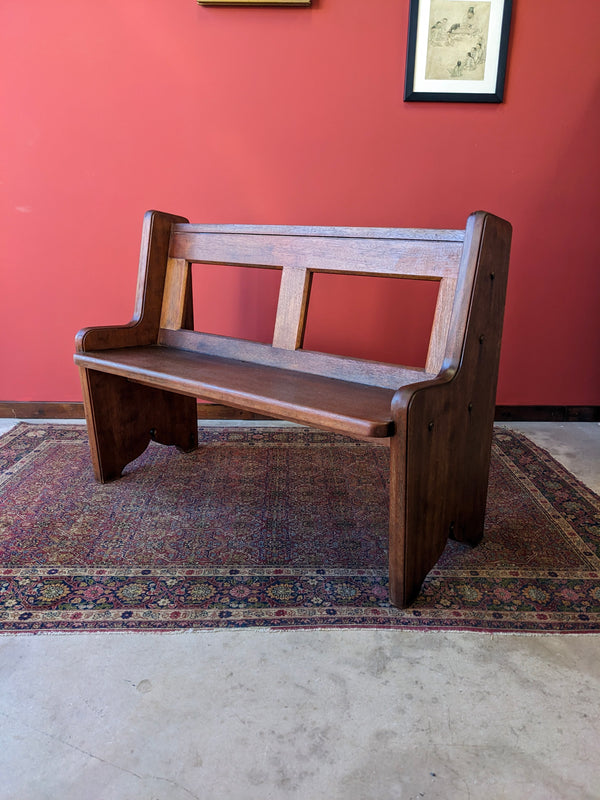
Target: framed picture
(457, 50)
(254, 2)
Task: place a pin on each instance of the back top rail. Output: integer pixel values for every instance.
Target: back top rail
(381, 255)
(426, 234)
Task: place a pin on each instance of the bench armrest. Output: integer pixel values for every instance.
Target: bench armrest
(143, 328)
(108, 337)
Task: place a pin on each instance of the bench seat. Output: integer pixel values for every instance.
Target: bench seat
(353, 409)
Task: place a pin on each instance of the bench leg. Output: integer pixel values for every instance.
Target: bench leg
(438, 490)
(419, 523)
(122, 417)
(472, 491)
(404, 585)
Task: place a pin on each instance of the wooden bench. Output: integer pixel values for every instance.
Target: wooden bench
(141, 380)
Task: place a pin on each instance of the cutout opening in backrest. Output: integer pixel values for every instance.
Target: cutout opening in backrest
(384, 319)
(235, 300)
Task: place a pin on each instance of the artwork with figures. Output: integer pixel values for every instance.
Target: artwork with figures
(457, 39)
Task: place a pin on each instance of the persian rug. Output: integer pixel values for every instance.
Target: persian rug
(280, 527)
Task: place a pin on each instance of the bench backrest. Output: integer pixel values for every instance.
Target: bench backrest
(450, 257)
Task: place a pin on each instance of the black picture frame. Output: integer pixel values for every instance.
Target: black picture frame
(457, 50)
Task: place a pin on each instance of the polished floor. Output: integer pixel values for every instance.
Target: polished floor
(307, 714)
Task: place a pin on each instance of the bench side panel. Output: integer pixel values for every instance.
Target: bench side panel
(440, 454)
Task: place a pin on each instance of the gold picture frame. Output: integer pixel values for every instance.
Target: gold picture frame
(254, 2)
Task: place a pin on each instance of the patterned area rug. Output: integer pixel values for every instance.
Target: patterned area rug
(277, 527)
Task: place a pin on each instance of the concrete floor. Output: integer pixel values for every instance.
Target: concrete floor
(307, 714)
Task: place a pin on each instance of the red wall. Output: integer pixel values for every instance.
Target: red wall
(291, 116)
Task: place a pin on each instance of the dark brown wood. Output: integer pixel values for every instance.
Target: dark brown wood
(323, 231)
(44, 410)
(352, 408)
(47, 411)
(427, 259)
(63, 410)
(141, 380)
(123, 417)
(547, 414)
(441, 451)
(144, 326)
(290, 322)
(217, 411)
(354, 370)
